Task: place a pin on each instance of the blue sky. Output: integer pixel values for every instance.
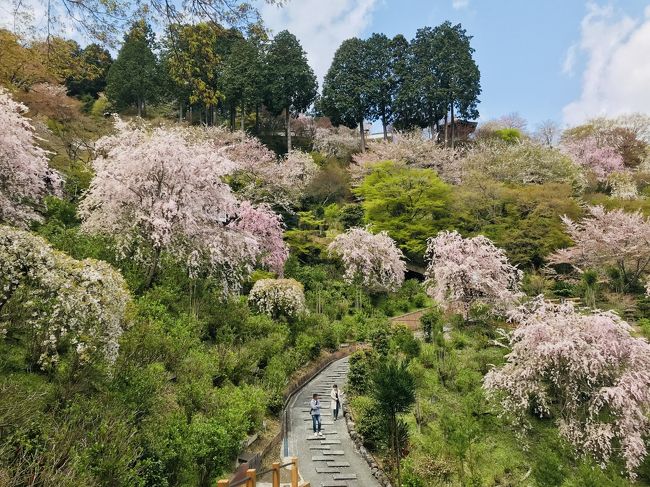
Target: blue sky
(565, 60)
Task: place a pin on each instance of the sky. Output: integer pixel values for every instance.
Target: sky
(561, 60)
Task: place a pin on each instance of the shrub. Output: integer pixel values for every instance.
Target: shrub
(370, 422)
(361, 364)
(432, 324)
(278, 297)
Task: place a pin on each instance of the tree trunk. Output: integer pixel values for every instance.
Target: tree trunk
(139, 107)
(453, 126)
(153, 269)
(180, 112)
(437, 127)
(144, 108)
(257, 119)
(243, 115)
(384, 126)
(396, 451)
(190, 115)
(232, 118)
(288, 120)
(446, 129)
(362, 132)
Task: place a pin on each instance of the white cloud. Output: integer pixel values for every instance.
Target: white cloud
(616, 77)
(460, 4)
(570, 59)
(320, 25)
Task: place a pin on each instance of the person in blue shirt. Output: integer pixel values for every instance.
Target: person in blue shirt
(314, 410)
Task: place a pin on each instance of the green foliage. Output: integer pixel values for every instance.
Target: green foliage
(508, 135)
(432, 324)
(346, 85)
(524, 220)
(359, 376)
(351, 216)
(133, 79)
(410, 204)
(370, 422)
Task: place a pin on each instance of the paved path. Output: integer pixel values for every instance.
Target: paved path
(329, 460)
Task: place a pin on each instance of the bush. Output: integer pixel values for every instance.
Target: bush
(370, 422)
(359, 377)
(432, 325)
(307, 346)
(351, 215)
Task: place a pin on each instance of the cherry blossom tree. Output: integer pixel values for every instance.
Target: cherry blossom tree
(162, 190)
(606, 239)
(340, 142)
(463, 271)
(258, 175)
(407, 148)
(64, 303)
(278, 297)
(599, 158)
(372, 261)
(623, 186)
(525, 162)
(25, 177)
(586, 372)
(267, 228)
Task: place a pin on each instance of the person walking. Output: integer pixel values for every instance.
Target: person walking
(335, 404)
(314, 410)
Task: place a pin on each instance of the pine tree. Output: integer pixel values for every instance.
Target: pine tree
(347, 87)
(291, 83)
(133, 78)
(243, 77)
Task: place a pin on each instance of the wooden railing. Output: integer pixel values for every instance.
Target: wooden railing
(250, 479)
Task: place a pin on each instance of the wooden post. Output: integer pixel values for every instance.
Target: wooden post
(276, 474)
(252, 477)
(222, 483)
(294, 472)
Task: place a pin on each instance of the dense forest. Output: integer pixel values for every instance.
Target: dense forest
(187, 223)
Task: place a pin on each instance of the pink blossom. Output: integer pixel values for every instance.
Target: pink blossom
(586, 372)
(163, 190)
(463, 271)
(608, 239)
(373, 261)
(25, 177)
(598, 157)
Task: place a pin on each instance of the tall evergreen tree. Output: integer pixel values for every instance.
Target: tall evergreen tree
(133, 79)
(95, 61)
(405, 103)
(347, 88)
(243, 77)
(422, 85)
(290, 81)
(459, 78)
(381, 60)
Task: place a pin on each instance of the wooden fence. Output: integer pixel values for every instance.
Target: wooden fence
(250, 477)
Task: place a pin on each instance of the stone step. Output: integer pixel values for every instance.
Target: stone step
(328, 470)
(334, 453)
(346, 476)
(319, 447)
(319, 458)
(331, 442)
(338, 464)
(334, 484)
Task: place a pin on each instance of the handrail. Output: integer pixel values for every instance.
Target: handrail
(251, 475)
